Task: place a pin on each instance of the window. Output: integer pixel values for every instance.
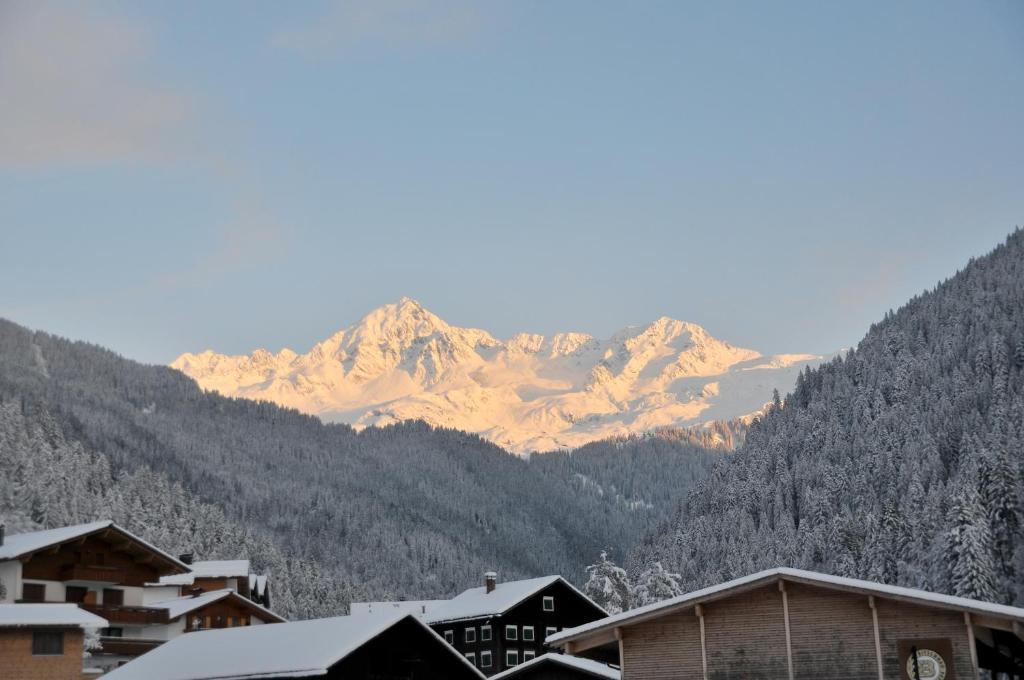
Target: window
(75, 594)
(33, 592)
(485, 659)
(511, 658)
(112, 632)
(471, 635)
(527, 633)
(114, 596)
(471, 657)
(528, 654)
(549, 603)
(511, 633)
(485, 633)
(549, 631)
(449, 637)
(47, 643)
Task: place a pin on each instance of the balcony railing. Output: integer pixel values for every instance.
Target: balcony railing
(125, 614)
(81, 572)
(127, 646)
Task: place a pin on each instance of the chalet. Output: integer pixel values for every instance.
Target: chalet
(553, 666)
(500, 625)
(44, 641)
(109, 572)
(383, 647)
(209, 575)
(787, 623)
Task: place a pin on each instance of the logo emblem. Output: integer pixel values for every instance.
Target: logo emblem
(930, 666)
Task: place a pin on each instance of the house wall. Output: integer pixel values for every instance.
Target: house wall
(667, 648)
(406, 650)
(91, 551)
(10, 576)
(18, 662)
(832, 635)
(571, 609)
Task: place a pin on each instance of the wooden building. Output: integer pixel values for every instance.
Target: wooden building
(787, 623)
(112, 573)
(500, 625)
(552, 666)
(44, 641)
(381, 647)
(210, 575)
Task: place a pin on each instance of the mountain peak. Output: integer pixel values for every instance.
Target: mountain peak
(531, 392)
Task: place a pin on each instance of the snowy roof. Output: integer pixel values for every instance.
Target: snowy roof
(182, 605)
(17, 545)
(48, 615)
(287, 650)
(418, 607)
(797, 576)
(477, 602)
(208, 569)
(595, 668)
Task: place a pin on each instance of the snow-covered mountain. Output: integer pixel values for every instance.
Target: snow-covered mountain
(527, 393)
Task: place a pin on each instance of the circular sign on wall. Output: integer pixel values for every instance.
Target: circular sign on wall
(930, 666)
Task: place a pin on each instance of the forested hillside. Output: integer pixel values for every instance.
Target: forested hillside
(901, 462)
(401, 511)
(48, 481)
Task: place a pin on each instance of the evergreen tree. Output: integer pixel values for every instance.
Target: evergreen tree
(608, 585)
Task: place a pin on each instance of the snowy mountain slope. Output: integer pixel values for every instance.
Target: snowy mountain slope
(529, 393)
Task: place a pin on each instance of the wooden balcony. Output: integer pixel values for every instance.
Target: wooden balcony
(96, 573)
(119, 614)
(127, 646)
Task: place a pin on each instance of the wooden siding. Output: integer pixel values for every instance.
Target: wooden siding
(746, 637)
(901, 621)
(832, 636)
(663, 649)
(95, 559)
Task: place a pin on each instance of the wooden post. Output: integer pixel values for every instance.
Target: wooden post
(878, 637)
(699, 611)
(622, 653)
(971, 642)
(785, 614)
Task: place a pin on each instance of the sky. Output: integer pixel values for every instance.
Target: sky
(234, 175)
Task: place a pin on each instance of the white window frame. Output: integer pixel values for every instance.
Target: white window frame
(485, 633)
(549, 631)
(528, 654)
(548, 603)
(514, 654)
(469, 635)
(449, 637)
(470, 657)
(514, 630)
(528, 629)
(485, 658)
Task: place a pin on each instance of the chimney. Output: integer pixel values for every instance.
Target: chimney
(491, 581)
(2, 528)
(186, 558)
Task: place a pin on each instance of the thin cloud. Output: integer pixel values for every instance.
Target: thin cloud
(351, 24)
(74, 92)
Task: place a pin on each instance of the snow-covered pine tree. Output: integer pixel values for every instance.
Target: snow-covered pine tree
(969, 545)
(656, 584)
(608, 585)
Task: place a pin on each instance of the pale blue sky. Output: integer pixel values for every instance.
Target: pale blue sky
(176, 176)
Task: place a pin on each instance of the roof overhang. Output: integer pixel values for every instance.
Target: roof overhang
(607, 631)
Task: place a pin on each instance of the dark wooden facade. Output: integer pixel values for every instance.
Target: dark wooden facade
(107, 557)
(570, 609)
(406, 651)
